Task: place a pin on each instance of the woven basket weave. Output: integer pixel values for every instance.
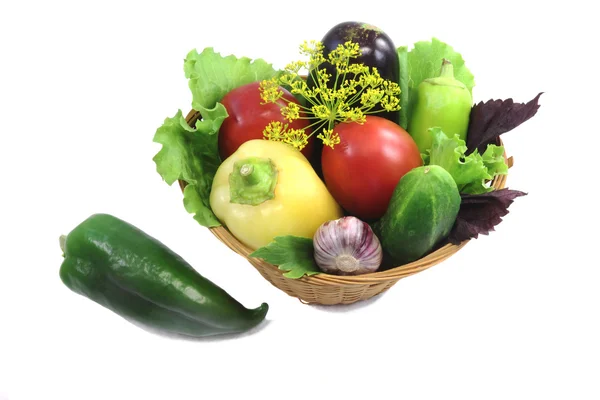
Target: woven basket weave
(332, 289)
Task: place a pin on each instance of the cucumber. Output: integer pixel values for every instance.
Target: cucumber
(421, 213)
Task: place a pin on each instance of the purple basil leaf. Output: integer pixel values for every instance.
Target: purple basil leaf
(491, 119)
(480, 213)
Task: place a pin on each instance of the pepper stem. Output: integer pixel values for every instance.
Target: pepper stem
(62, 240)
(246, 170)
(346, 263)
(252, 181)
(447, 70)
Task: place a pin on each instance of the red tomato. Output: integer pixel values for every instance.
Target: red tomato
(362, 171)
(248, 118)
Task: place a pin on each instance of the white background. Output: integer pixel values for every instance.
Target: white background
(83, 87)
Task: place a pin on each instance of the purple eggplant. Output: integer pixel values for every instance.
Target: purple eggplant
(377, 50)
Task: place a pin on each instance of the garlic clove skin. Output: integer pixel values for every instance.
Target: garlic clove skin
(347, 246)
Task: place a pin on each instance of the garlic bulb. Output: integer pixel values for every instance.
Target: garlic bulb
(347, 246)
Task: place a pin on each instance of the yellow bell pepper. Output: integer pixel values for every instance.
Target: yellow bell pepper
(267, 189)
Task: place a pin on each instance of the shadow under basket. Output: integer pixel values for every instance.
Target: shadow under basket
(329, 289)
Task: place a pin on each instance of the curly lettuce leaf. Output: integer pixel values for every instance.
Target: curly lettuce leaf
(495, 164)
(211, 76)
(493, 158)
(469, 172)
(293, 254)
(191, 155)
(480, 213)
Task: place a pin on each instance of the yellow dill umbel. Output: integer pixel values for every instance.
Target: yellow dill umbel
(356, 91)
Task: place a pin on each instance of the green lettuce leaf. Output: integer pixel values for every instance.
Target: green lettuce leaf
(211, 76)
(493, 158)
(422, 62)
(471, 172)
(191, 155)
(290, 253)
(404, 90)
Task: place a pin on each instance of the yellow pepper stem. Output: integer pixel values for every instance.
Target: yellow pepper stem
(252, 181)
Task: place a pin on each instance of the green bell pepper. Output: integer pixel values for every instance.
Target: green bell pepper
(129, 272)
(443, 102)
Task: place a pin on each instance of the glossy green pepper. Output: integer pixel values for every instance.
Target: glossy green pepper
(443, 102)
(127, 271)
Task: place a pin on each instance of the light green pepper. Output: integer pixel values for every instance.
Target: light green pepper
(443, 102)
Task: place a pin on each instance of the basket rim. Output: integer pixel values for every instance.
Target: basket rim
(395, 273)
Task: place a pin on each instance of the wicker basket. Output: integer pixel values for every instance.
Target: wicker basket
(332, 289)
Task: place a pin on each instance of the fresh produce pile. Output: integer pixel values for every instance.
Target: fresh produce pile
(360, 157)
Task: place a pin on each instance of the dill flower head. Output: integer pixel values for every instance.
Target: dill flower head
(347, 96)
